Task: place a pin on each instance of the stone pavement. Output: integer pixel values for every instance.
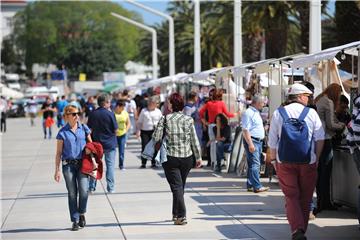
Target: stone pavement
(34, 206)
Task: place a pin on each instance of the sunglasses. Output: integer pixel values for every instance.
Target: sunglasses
(73, 114)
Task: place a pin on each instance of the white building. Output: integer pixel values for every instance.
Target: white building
(8, 9)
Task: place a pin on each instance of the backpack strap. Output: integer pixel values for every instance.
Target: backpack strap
(304, 113)
(283, 113)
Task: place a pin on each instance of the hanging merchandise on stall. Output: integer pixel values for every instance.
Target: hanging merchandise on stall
(353, 136)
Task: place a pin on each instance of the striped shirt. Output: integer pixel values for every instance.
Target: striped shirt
(181, 139)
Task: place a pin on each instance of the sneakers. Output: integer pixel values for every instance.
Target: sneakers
(174, 218)
(153, 166)
(82, 221)
(180, 221)
(142, 166)
(250, 189)
(75, 226)
(298, 235)
(262, 189)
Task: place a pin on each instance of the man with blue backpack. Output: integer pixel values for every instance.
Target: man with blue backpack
(296, 139)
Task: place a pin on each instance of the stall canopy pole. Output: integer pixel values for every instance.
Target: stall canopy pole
(328, 73)
(352, 72)
(281, 81)
(358, 70)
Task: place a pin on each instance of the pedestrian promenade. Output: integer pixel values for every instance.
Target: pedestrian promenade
(34, 206)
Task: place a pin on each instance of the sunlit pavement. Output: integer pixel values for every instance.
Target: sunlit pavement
(34, 206)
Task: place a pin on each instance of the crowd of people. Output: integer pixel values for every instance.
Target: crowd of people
(191, 125)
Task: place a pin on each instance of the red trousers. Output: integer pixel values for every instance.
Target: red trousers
(297, 181)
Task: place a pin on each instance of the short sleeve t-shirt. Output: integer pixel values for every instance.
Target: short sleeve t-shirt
(121, 121)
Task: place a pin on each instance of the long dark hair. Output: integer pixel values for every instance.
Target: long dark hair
(223, 120)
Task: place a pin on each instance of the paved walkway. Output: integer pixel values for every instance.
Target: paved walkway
(34, 206)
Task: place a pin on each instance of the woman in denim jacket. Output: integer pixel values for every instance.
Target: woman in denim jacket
(71, 141)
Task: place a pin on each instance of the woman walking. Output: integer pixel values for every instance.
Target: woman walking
(183, 148)
(146, 124)
(123, 121)
(71, 141)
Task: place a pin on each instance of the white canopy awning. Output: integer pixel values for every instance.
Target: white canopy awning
(308, 60)
(158, 82)
(10, 93)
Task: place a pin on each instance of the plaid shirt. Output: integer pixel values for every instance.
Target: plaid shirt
(181, 138)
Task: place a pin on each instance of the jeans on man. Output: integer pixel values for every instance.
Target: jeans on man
(76, 182)
(59, 120)
(221, 147)
(121, 144)
(297, 182)
(253, 161)
(110, 172)
(176, 171)
(45, 129)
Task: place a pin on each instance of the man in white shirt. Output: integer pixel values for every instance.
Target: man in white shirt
(297, 181)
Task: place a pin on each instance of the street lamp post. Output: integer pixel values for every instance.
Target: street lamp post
(237, 33)
(171, 33)
(197, 46)
(315, 26)
(154, 40)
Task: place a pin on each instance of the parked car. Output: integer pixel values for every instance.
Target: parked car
(17, 108)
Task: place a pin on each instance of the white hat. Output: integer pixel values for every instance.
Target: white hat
(297, 89)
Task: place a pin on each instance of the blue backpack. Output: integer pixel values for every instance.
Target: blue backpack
(294, 145)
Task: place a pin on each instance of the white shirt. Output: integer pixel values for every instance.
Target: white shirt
(148, 119)
(130, 106)
(312, 120)
(31, 107)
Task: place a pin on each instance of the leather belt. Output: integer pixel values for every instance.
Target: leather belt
(71, 161)
(257, 139)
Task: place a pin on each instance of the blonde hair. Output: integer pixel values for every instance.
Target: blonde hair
(68, 108)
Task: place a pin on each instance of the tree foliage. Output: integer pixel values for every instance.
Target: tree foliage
(282, 25)
(81, 35)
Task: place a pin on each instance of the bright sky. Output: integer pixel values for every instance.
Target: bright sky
(148, 17)
(161, 5)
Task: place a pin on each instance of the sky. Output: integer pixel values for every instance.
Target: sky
(161, 5)
(148, 17)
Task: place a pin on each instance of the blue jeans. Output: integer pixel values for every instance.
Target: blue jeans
(60, 121)
(253, 161)
(221, 147)
(76, 183)
(132, 130)
(121, 144)
(44, 129)
(110, 171)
